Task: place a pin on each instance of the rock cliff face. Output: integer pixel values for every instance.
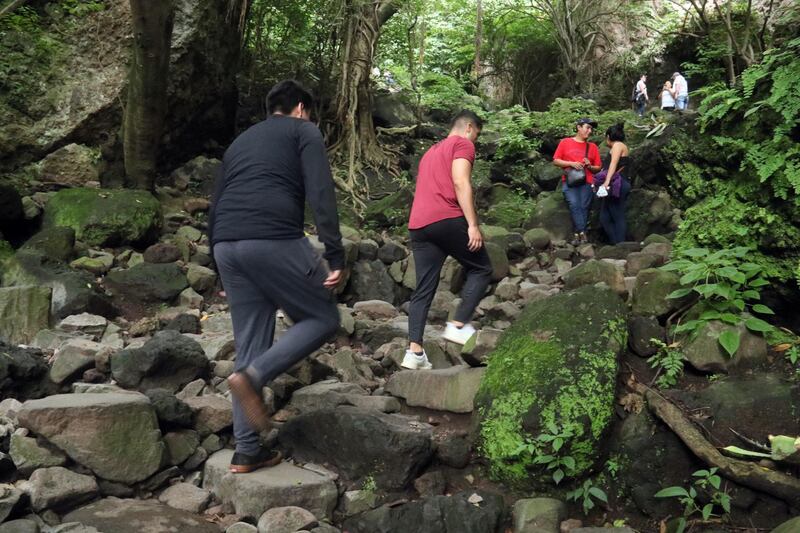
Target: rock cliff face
(86, 89)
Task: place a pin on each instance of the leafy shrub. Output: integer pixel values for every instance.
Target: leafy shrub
(514, 127)
(669, 362)
(559, 119)
(446, 94)
(707, 480)
(725, 286)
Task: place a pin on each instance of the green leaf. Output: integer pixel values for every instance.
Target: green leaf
(756, 324)
(569, 462)
(715, 481)
(671, 492)
(741, 452)
(558, 442)
(695, 252)
(558, 475)
(730, 341)
(739, 304)
(681, 525)
(725, 502)
(599, 494)
(750, 294)
(691, 277)
(758, 282)
(763, 309)
(710, 315)
(730, 318)
(700, 473)
(680, 293)
(707, 509)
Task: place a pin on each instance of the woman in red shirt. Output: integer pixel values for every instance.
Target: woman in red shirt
(574, 152)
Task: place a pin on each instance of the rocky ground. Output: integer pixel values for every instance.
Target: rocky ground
(117, 415)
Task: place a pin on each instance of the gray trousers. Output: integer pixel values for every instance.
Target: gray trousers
(260, 276)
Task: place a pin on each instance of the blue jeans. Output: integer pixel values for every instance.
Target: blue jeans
(682, 101)
(579, 198)
(612, 214)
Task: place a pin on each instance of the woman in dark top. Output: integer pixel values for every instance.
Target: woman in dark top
(615, 184)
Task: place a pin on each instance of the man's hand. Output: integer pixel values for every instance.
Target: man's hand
(577, 164)
(475, 238)
(333, 279)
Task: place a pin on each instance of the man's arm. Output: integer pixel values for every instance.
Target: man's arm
(321, 195)
(461, 172)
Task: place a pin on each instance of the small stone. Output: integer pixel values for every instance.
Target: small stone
(190, 233)
(286, 520)
(475, 499)
(186, 497)
(201, 278)
(85, 324)
(57, 487)
(241, 527)
(357, 501)
(198, 458)
(430, 484)
(181, 445)
(190, 298)
(29, 455)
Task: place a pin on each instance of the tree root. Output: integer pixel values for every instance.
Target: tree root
(746, 473)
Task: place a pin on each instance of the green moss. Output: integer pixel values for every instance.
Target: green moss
(511, 211)
(551, 369)
(102, 217)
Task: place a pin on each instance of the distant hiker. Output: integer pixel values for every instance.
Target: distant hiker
(681, 88)
(640, 97)
(580, 159)
(667, 96)
(266, 263)
(614, 187)
(444, 222)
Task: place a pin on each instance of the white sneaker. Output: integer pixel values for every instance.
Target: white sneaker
(413, 361)
(458, 335)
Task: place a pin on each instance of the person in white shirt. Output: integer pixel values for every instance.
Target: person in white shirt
(667, 97)
(641, 95)
(681, 91)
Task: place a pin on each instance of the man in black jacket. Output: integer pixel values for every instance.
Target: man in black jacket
(265, 261)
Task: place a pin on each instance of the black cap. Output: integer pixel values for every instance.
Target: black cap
(586, 121)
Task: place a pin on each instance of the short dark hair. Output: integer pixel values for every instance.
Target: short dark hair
(616, 132)
(466, 116)
(285, 96)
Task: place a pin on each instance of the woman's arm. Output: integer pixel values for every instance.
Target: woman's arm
(616, 151)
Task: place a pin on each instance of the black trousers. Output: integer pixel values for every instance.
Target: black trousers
(431, 245)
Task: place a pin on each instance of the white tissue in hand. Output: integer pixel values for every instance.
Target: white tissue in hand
(602, 192)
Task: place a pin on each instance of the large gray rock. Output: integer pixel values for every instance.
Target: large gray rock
(75, 356)
(449, 389)
(23, 372)
(538, 515)
(285, 484)
(370, 280)
(360, 443)
(704, 352)
(55, 243)
(651, 290)
(116, 435)
(56, 487)
(23, 312)
(148, 282)
(167, 361)
(29, 455)
(648, 212)
(72, 165)
(324, 394)
(593, 271)
(10, 497)
(436, 514)
(551, 214)
(138, 516)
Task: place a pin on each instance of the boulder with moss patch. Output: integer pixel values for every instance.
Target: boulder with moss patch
(551, 214)
(555, 366)
(105, 217)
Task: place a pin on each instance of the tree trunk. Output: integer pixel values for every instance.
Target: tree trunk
(478, 41)
(147, 90)
(355, 141)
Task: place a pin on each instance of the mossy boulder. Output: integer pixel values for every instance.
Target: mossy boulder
(497, 235)
(547, 175)
(390, 211)
(148, 282)
(551, 214)
(537, 238)
(54, 243)
(105, 217)
(651, 290)
(499, 259)
(555, 366)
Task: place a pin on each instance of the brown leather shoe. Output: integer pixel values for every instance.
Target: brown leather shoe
(250, 400)
(242, 463)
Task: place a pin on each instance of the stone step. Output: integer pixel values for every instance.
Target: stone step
(448, 389)
(138, 516)
(284, 484)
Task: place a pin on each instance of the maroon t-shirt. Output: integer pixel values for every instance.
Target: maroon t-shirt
(435, 195)
(571, 150)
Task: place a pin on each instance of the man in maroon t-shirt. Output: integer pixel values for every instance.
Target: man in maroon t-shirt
(444, 222)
